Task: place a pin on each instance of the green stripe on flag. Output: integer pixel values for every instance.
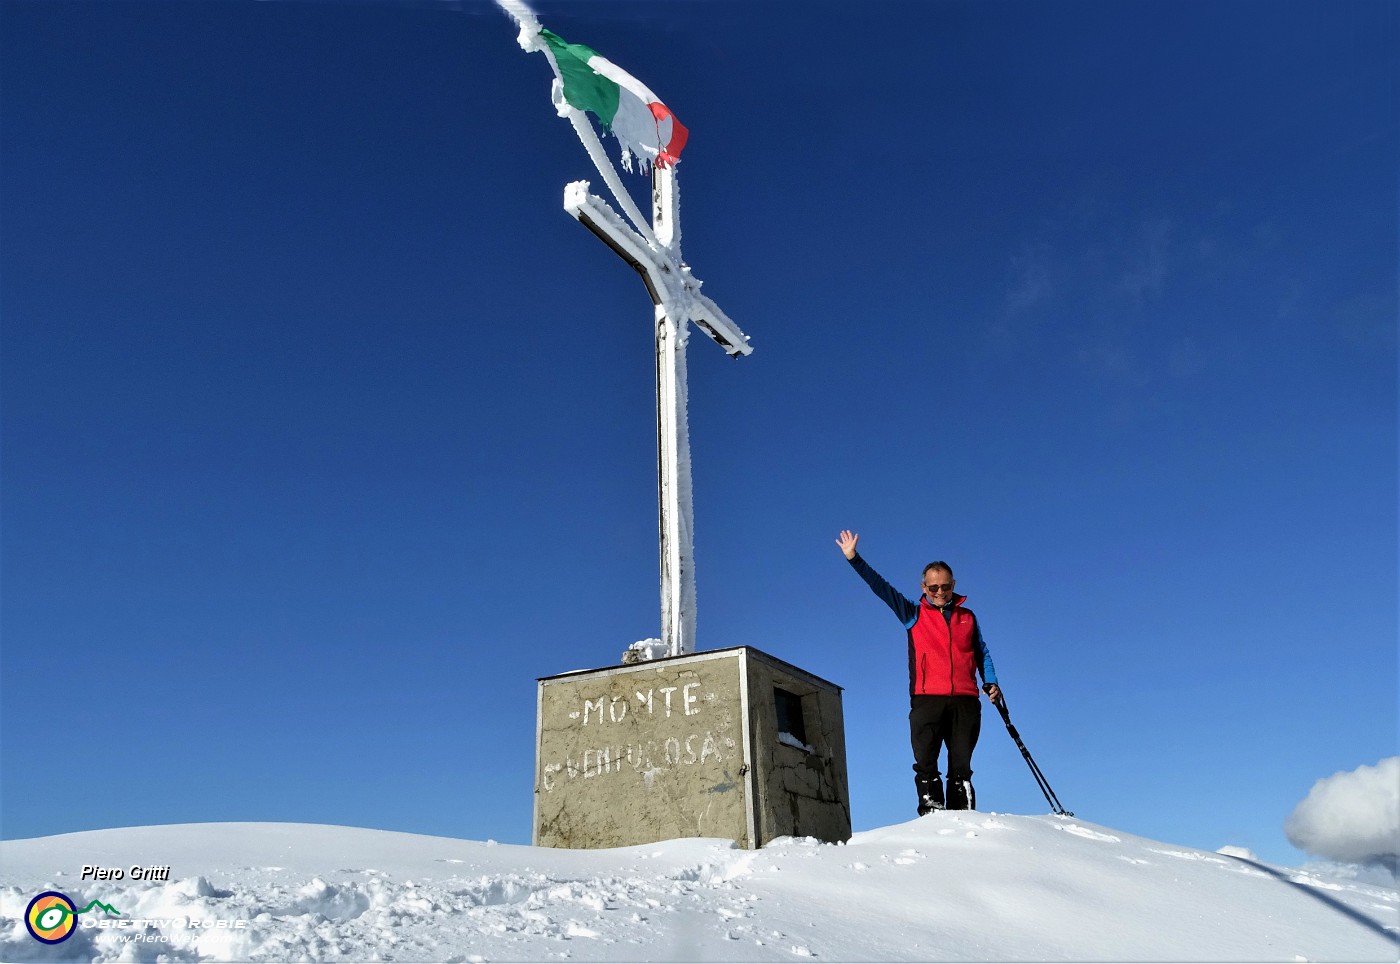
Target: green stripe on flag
(584, 88)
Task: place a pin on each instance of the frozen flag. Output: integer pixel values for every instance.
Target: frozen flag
(622, 103)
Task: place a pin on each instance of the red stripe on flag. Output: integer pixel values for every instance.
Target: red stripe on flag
(669, 152)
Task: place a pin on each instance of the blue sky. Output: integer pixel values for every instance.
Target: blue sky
(326, 430)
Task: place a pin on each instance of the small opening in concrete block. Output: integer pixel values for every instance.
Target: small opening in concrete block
(792, 725)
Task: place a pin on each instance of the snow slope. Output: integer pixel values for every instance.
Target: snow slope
(949, 886)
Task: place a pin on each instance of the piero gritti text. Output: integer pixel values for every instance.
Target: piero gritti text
(134, 872)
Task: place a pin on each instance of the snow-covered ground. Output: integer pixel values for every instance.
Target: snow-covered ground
(949, 886)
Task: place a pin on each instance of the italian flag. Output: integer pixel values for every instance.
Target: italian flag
(623, 104)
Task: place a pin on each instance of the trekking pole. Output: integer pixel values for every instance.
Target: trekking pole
(1053, 800)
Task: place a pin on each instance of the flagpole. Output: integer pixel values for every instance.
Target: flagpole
(594, 147)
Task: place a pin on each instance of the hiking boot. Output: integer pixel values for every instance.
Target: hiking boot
(961, 795)
(930, 794)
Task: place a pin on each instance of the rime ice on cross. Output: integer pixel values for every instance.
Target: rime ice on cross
(675, 295)
(654, 251)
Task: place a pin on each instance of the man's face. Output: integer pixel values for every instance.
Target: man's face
(938, 586)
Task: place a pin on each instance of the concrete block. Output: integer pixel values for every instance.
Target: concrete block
(730, 743)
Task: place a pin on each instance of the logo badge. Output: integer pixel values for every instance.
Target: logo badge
(51, 917)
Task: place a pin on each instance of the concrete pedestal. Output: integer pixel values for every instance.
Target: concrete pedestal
(730, 743)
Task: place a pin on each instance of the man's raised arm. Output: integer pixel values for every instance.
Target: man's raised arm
(905, 609)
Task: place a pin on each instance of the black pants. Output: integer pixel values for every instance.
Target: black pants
(936, 720)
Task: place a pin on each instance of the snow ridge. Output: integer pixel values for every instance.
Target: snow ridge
(949, 886)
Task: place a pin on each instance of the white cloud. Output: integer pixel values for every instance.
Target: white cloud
(1353, 817)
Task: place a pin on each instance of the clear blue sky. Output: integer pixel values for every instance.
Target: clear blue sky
(327, 431)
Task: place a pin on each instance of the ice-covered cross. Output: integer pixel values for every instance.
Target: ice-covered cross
(647, 130)
(676, 299)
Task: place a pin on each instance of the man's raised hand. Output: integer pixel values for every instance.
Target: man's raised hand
(847, 541)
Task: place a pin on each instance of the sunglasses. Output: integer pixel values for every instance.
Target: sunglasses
(938, 587)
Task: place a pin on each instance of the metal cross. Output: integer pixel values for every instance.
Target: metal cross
(676, 299)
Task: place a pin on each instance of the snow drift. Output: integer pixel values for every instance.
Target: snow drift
(949, 886)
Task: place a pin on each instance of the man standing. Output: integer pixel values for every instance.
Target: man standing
(946, 652)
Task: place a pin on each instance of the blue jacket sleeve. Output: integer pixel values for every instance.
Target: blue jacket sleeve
(984, 656)
(906, 610)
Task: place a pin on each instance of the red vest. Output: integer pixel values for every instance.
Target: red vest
(941, 660)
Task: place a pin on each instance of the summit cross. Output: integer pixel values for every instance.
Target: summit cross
(676, 299)
(648, 131)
